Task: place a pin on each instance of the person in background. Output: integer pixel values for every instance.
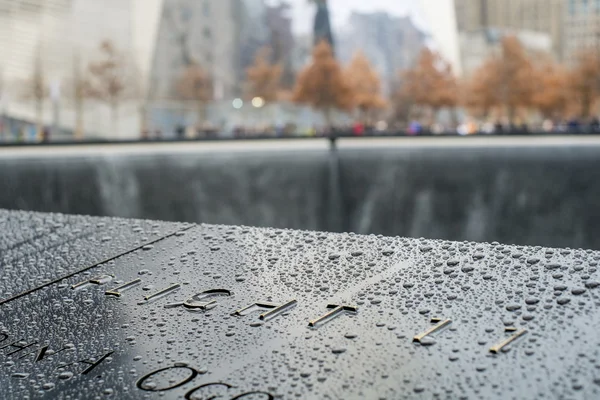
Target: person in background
(180, 132)
(279, 129)
(573, 125)
(22, 133)
(358, 129)
(45, 134)
(499, 128)
(33, 133)
(414, 128)
(595, 125)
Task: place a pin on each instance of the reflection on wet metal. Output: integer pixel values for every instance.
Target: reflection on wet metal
(98, 280)
(126, 286)
(498, 348)
(162, 292)
(336, 311)
(441, 325)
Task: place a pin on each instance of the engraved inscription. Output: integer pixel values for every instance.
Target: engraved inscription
(202, 301)
(278, 310)
(441, 325)
(274, 310)
(500, 346)
(254, 308)
(162, 380)
(19, 345)
(43, 352)
(126, 286)
(188, 395)
(162, 292)
(198, 301)
(97, 280)
(153, 387)
(336, 311)
(92, 363)
(267, 396)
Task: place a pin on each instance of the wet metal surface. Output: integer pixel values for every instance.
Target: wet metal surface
(252, 313)
(36, 248)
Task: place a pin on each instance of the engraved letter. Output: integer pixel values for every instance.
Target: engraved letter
(98, 280)
(117, 291)
(274, 310)
(93, 363)
(42, 353)
(188, 395)
(19, 345)
(152, 388)
(336, 310)
(441, 325)
(241, 396)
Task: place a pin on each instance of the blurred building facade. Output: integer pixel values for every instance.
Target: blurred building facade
(543, 16)
(478, 45)
(202, 32)
(157, 38)
(391, 43)
(193, 32)
(582, 27)
(53, 42)
(254, 33)
(281, 39)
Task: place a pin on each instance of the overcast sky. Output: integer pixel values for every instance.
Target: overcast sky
(303, 11)
(436, 17)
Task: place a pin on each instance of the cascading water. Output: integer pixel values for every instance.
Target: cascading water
(510, 193)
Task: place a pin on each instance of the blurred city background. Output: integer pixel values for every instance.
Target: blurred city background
(175, 69)
(145, 108)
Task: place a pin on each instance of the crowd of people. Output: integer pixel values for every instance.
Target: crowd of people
(417, 128)
(357, 129)
(381, 128)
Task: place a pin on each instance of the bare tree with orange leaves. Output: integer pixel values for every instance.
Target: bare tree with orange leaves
(196, 85)
(366, 86)
(431, 82)
(402, 106)
(78, 87)
(584, 78)
(479, 94)
(516, 77)
(263, 77)
(322, 84)
(551, 96)
(505, 80)
(35, 88)
(110, 79)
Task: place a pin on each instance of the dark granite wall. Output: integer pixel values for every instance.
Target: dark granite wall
(512, 194)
